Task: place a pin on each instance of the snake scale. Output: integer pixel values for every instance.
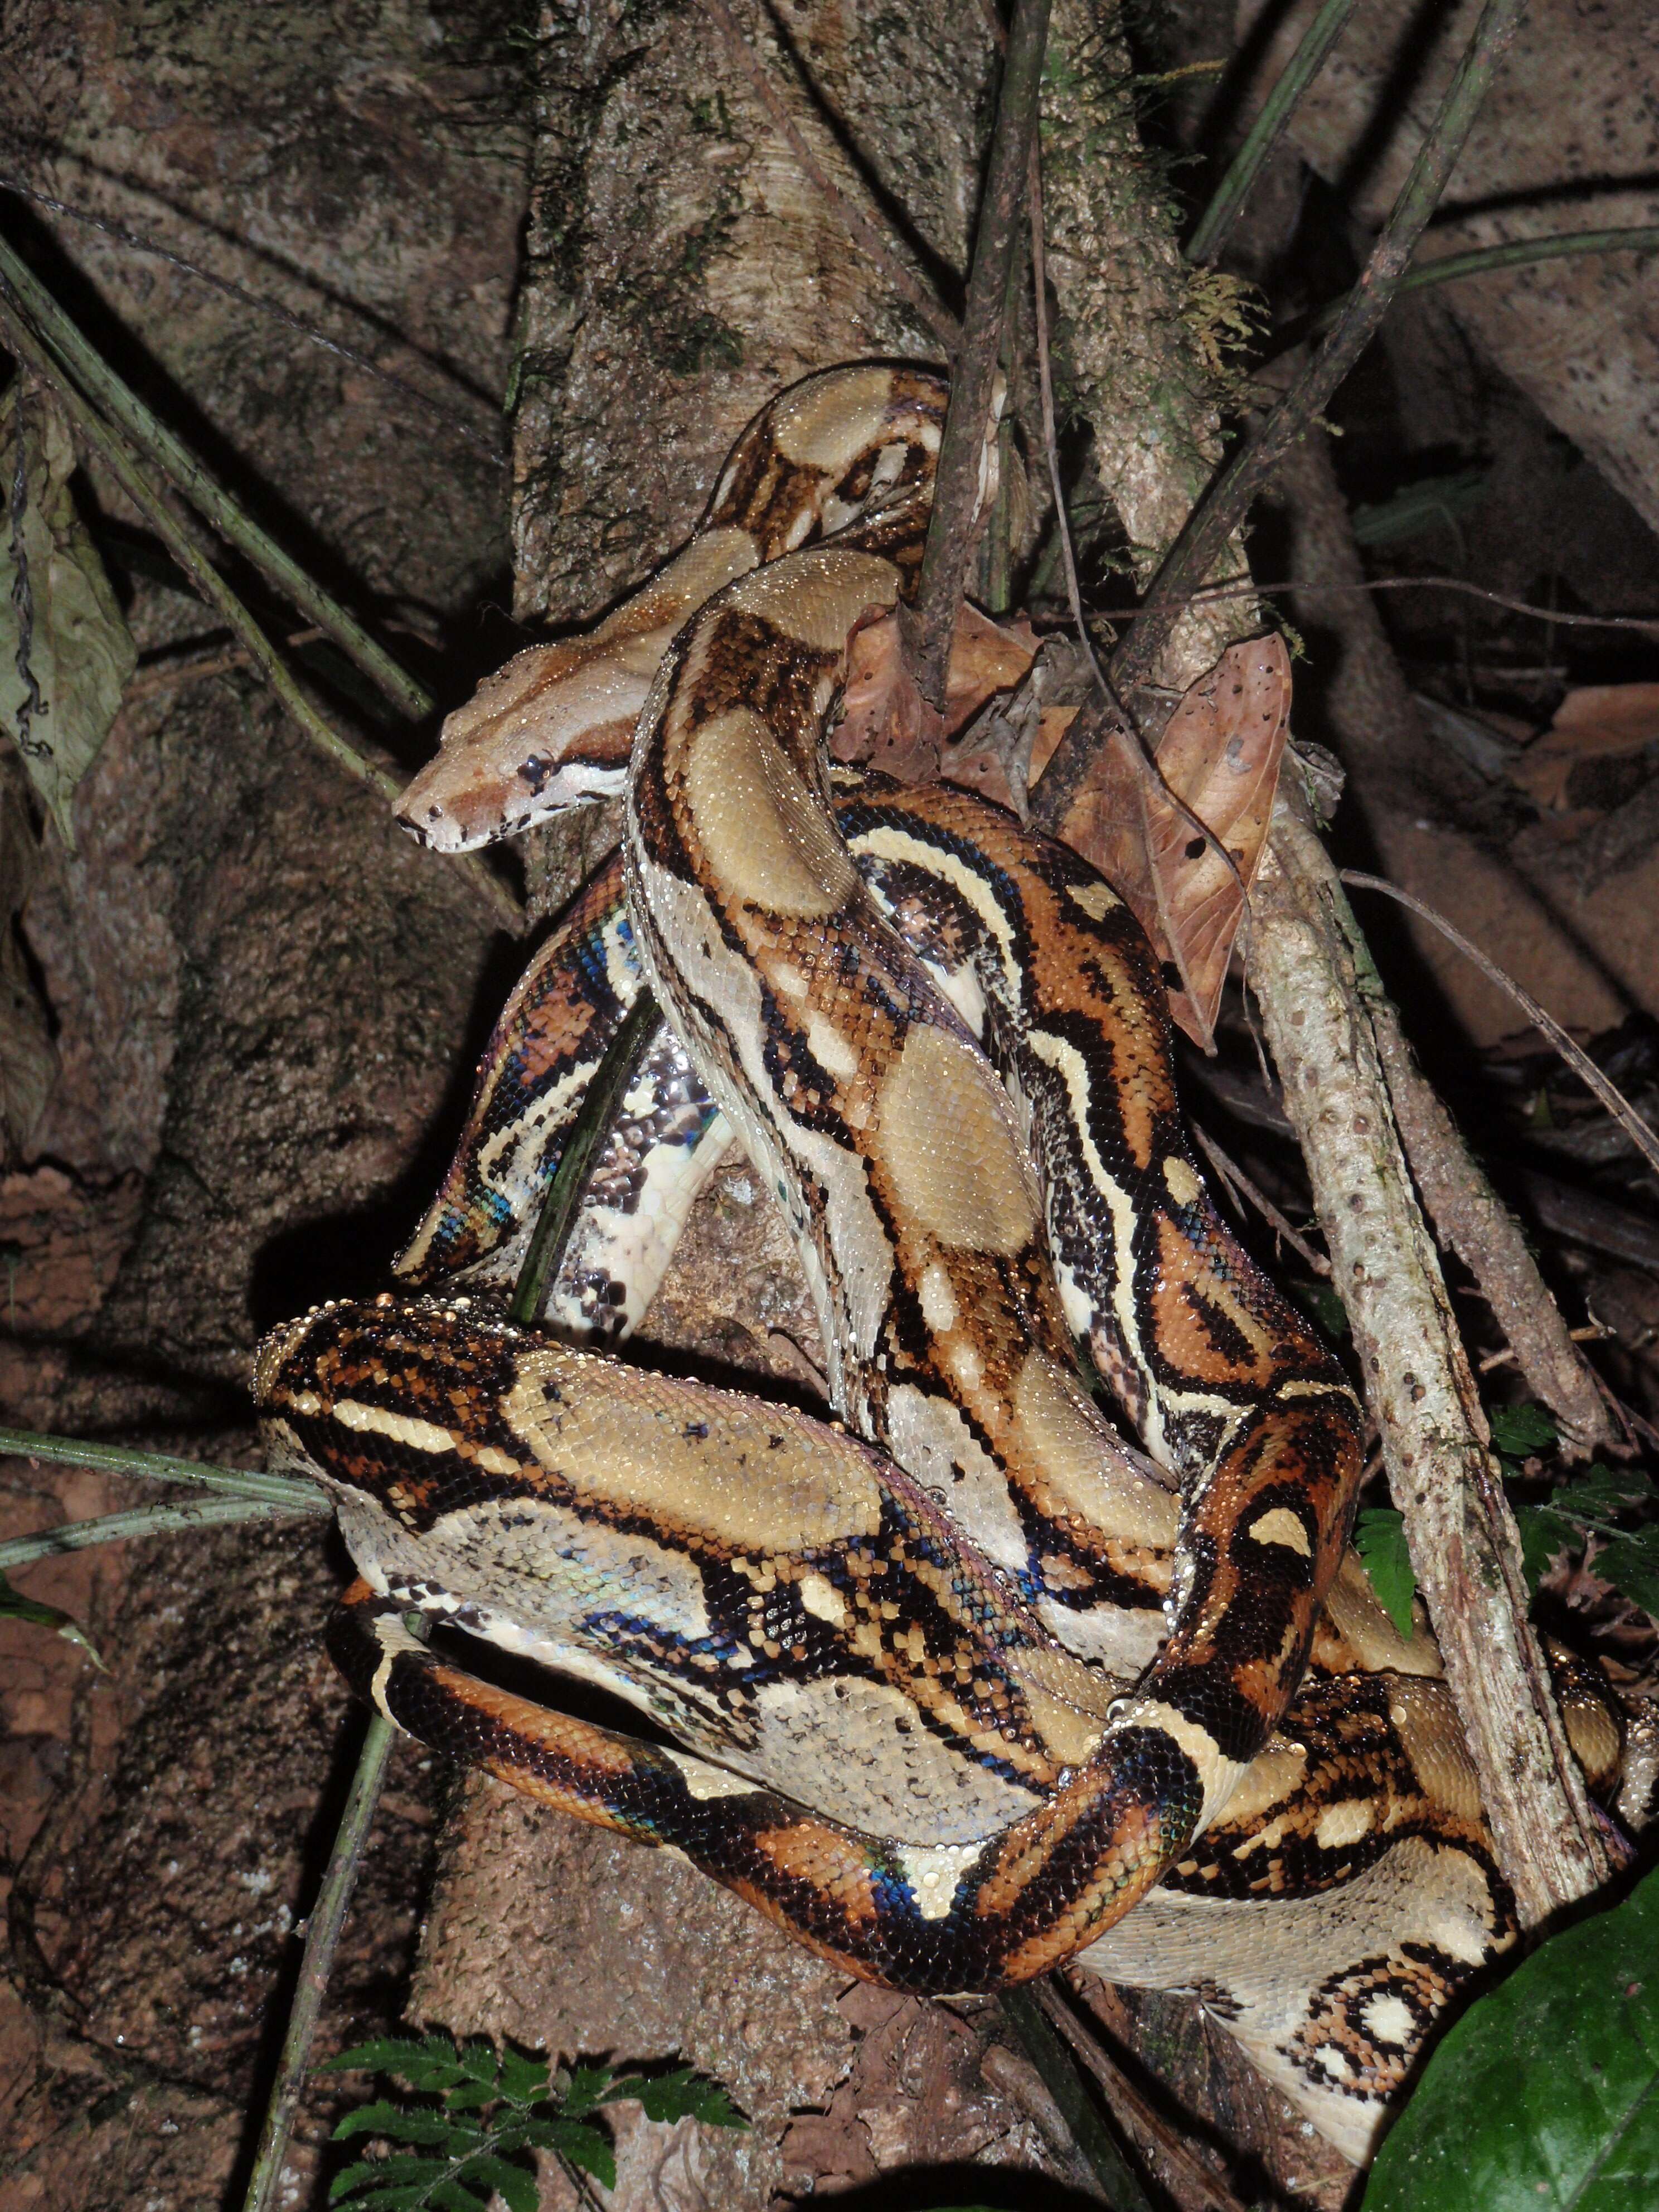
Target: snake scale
(948, 1695)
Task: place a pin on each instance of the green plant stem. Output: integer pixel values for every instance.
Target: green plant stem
(954, 526)
(203, 491)
(26, 343)
(145, 1521)
(1096, 2142)
(552, 1231)
(322, 1939)
(1224, 506)
(1215, 224)
(1516, 253)
(282, 1493)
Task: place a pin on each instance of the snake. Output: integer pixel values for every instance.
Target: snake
(959, 1685)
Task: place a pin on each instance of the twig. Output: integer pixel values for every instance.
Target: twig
(322, 1939)
(171, 454)
(1247, 587)
(282, 1493)
(22, 339)
(1050, 434)
(910, 288)
(144, 1521)
(1028, 2016)
(1224, 506)
(1230, 1172)
(138, 244)
(1201, 2191)
(954, 526)
(1514, 253)
(1216, 223)
(1643, 1138)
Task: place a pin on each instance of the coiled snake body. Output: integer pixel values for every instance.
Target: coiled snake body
(950, 1695)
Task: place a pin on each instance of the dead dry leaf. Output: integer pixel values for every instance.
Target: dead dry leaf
(1217, 760)
(65, 653)
(887, 724)
(1599, 721)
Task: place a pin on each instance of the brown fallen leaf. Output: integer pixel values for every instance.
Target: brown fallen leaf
(1600, 721)
(886, 724)
(1219, 761)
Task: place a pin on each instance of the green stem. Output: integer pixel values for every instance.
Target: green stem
(145, 1521)
(1517, 253)
(322, 1939)
(205, 491)
(26, 343)
(552, 1230)
(282, 1493)
(1298, 73)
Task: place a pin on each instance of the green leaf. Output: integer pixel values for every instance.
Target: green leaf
(515, 2187)
(1631, 1565)
(683, 2094)
(521, 2080)
(61, 683)
(1421, 505)
(586, 2148)
(1519, 1431)
(408, 2123)
(1543, 2097)
(1379, 1537)
(1602, 1494)
(13, 1606)
(584, 2087)
(1544, 1536)
(398, 2055)
(471, 2096)
(400, 2169)
(452, 2195)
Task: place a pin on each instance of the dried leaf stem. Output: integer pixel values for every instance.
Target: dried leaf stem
(954, 526)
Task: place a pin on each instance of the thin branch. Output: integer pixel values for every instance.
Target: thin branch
(145, 1521)
(1225, 505)
(954, 526)
(1215, 224)
(937, 317)
(1643, 1138)
(1514, 253)
(323, 1928)
(22, 339)
(137, 243)
(1050, 434)
(1230, 1172)
(1247, 587)
(171, 454)
(284, 1493)
(1315, 979)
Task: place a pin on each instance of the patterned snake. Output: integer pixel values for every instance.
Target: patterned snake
(949, 1696)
